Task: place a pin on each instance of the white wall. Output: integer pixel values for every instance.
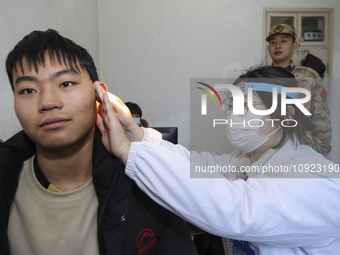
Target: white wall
(150, 49)
(76, 19)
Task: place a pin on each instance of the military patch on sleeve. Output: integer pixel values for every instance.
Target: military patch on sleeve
(323, 94)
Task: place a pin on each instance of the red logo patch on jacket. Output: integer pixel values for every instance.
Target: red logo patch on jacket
(145, 240)
(323, 94)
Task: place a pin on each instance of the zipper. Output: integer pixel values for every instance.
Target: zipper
(104, 206)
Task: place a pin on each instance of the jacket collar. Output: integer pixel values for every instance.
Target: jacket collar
(20, 147)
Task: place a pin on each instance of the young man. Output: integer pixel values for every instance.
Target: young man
(281, 46)
(61, 192)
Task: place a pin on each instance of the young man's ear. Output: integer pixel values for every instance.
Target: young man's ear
(103, 85)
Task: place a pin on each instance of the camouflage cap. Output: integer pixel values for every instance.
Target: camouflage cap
(281, 29)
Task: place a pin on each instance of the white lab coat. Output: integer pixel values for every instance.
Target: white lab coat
(277, 213)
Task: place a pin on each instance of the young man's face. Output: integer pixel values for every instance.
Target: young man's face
(281, 48)
(56, 106)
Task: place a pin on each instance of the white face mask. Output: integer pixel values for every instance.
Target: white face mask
(244, 137)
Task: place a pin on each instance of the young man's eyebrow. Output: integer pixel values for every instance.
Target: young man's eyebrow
(63, 72)
(24, 78)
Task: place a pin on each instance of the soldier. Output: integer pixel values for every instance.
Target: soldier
(281, 46)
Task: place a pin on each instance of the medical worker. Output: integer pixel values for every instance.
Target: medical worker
(289, 205)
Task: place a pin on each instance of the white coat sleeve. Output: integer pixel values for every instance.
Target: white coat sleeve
(275, 211)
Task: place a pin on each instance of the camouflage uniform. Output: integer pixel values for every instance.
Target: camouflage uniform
(320, 137)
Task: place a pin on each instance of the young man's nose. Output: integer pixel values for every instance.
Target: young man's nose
(50, 99)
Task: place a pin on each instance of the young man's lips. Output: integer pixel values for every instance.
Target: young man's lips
(53, 122)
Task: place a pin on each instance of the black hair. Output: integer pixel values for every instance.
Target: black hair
(33, 47)
(278, 76)
(134, 108)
